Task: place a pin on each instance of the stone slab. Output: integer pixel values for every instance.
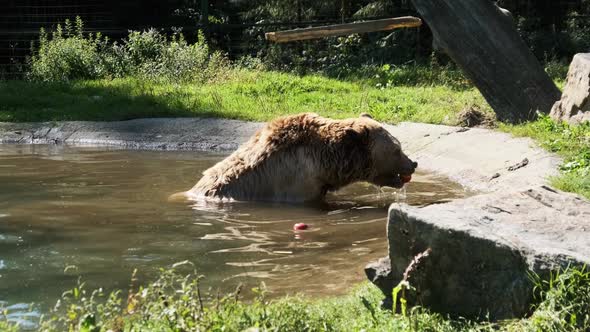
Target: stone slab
(484, 248)
(205, 134)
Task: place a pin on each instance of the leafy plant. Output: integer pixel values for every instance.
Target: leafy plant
(175, 302)
(70, 54)
(65, 55)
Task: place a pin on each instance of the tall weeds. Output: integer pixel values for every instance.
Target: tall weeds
(70, 54)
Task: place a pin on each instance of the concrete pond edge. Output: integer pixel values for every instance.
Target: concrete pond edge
(482, 248)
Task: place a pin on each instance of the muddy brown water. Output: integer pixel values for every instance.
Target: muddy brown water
(104, 213)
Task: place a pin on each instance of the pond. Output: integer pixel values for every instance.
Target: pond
(99, 214)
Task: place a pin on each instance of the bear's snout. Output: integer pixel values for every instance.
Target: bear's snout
(408, 166)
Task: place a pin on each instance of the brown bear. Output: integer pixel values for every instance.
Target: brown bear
(301, 157)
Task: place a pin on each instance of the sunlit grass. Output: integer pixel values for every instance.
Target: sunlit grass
(175, 302)
(246, 95)
(570, 142)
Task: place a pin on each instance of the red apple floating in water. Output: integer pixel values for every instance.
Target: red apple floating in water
(300, 226)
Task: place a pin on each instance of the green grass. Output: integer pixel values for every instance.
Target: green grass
(246, 95)
(175, 302)
(7, 327)
(564, 305)
(570, 142)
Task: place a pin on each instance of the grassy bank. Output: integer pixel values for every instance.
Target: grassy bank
(176, 303)
(570, 142)
(242, 94)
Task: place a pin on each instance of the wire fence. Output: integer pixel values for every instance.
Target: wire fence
(20, 20)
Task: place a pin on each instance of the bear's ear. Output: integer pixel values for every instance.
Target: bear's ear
(361, 136)
(365, 115)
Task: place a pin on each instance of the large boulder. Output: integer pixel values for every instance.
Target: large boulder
(484, 246)
(574, 106)
(483, 250)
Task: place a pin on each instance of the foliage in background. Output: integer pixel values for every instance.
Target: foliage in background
(393, 94)
(69, 54)
(553, 32)
(335, 56)
(175, 302)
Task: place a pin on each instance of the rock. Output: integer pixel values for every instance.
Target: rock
(483, 249)
(198, 134)
(379, 273)
(574, 106)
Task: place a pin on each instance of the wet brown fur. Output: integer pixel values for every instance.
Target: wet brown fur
(300, 158)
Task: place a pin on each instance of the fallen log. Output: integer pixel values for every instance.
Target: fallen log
(343, 29)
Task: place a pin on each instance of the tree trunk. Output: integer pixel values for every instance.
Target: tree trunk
(482, 39)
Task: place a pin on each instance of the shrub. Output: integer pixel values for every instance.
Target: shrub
(145, 47)
(573, 37)
(557, 70)
(186, 62)
(67, 55)
(149, 54)
(116, 62)
(578, 33)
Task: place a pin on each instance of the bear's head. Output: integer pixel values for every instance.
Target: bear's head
(390, 165)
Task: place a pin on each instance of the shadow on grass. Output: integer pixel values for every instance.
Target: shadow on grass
(101, 100)
(246, 95)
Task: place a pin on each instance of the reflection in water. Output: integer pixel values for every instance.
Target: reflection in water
(106, 212)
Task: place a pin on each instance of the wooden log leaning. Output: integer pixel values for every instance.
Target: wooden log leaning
(343, 29)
